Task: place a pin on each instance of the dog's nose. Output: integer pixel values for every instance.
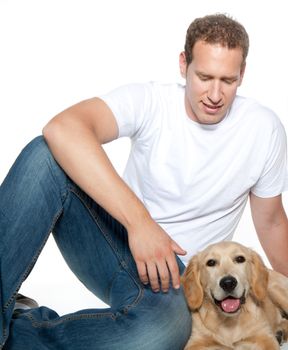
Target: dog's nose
(228, 283)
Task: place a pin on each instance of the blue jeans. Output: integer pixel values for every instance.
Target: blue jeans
(37, 198)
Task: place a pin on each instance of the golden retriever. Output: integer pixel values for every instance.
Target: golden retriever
(236, 302)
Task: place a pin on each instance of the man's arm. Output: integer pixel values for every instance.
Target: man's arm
(271, 225)
(75, 137)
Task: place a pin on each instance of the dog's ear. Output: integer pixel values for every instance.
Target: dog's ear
(278, 290)
(260, 275)
(192, 285)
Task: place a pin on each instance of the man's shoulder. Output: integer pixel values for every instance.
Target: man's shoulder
(243, 102)
(254, 111)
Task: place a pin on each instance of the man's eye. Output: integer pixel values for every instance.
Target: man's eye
(211, 262)
(204, 78)
(240, 259)
(228, 81)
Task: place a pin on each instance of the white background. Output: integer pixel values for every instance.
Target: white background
(55, 53)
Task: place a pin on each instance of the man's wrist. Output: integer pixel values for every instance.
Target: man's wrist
(137, 218)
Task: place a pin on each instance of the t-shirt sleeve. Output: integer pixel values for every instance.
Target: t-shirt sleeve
(129, 104)
(274, 178)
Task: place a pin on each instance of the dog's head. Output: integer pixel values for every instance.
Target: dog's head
(225, 274)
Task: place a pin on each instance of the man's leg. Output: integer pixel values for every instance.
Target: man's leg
(36, 198)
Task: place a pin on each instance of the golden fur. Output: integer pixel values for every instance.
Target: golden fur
(261, 300)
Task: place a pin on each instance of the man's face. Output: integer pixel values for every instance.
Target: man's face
(212, 79)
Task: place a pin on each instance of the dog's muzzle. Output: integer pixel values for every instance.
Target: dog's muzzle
(230, 304)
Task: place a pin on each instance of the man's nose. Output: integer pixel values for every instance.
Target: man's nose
(214, 93)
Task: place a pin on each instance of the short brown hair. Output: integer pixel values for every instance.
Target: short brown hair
(216, 29)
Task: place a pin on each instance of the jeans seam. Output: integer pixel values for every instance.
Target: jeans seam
(28, 269)
(63, 195)
(48, 324)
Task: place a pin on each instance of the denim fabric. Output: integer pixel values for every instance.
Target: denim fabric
(37, 198)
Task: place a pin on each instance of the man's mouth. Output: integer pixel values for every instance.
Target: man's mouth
(212, 108)
(230, 304)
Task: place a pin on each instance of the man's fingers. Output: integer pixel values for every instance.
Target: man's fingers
(148, 274)
(164, 276)
(177, 249)
(153, 277)
(142, 272)
(174, 271)
(160, 274)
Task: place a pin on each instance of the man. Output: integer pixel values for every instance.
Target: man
(197, 153)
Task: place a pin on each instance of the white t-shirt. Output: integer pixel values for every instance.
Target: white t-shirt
(194, 179)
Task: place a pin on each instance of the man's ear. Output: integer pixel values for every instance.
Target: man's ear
(183, 64)
(242, 71)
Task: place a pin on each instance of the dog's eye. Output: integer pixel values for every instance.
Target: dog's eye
(240, 259)
(211, 262)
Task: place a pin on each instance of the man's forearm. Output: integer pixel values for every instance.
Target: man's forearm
(275, 245)
(271, 224)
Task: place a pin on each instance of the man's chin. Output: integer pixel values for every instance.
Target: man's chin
(210, 120)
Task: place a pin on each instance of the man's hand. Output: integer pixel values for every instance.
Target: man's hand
(154, 253)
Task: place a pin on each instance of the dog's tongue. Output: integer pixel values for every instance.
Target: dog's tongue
(230, 304)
